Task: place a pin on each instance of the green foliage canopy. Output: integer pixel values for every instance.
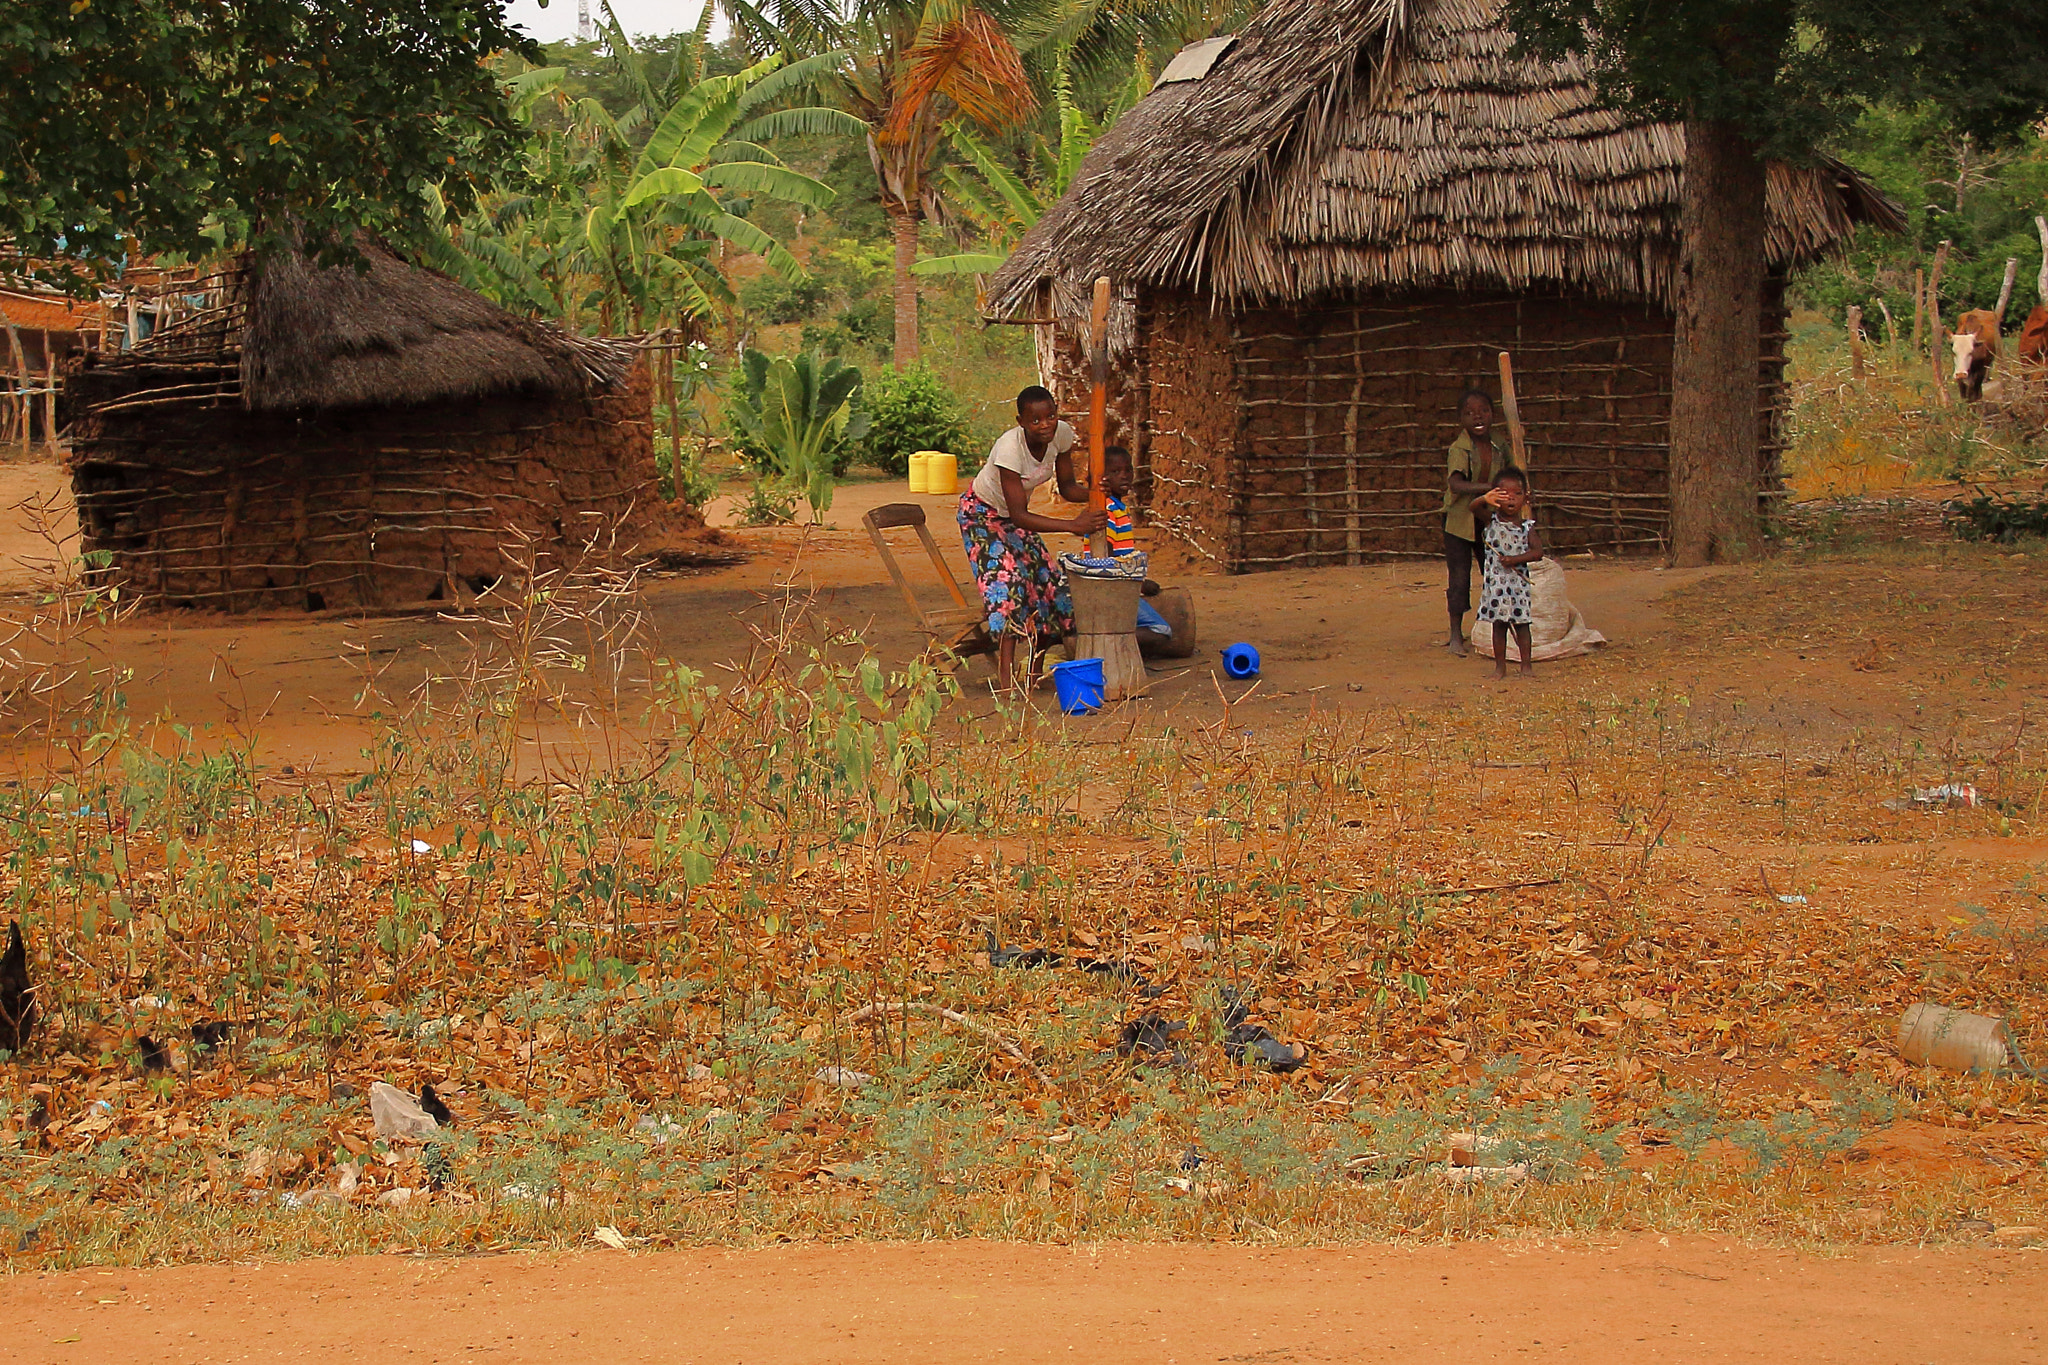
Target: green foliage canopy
(1793, 74)
(189, 125)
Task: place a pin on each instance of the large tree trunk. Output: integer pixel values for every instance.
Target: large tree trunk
(903, 226)
(1715, 355)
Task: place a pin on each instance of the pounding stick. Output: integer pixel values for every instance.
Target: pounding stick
(1098, 410)
(1514, 411)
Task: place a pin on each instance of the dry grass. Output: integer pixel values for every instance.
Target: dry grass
(671, 918)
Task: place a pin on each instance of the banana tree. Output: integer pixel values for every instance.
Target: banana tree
(796, 413)
(629, 215)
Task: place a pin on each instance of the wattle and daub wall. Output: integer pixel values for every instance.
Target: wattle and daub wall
(1294, 437)
(227, 510)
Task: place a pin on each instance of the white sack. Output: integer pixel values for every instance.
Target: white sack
(1557, 631)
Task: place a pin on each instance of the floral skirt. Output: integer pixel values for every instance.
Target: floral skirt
(1023, 589)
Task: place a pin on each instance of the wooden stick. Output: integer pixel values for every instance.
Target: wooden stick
(2012, 272)
(1934, 324)
(1098, 409)
(1514, 412)
(900, 1007)
(1856, 341)
(1919, 302)
(1496, 886)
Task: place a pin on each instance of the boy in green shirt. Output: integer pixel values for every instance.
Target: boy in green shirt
(1468, 472)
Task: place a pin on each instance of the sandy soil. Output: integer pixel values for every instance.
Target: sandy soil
(1352, 637)
(1646, 1299)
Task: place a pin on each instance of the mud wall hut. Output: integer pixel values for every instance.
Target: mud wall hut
(326, 438)
(1323, 229)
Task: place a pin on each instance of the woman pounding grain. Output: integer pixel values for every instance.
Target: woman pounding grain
(1024, 591)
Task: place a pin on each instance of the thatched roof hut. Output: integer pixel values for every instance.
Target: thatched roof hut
(1343, 165)
(354, 436)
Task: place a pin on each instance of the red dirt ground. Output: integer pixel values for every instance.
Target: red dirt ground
(1640, 1300)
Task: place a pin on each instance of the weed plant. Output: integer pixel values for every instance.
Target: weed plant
(619, 911)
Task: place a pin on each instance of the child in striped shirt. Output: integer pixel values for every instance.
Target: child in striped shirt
(1122, 533)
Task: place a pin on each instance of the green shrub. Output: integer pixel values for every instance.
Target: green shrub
(775, 300)
(909, 410)
(1995, 517)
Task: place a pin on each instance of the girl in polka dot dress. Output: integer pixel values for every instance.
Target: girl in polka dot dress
(1511, 546)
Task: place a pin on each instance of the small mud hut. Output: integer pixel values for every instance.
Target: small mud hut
(1320, 231)
(332, 437)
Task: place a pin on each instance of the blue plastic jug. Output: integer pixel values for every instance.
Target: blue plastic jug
(1241, 661)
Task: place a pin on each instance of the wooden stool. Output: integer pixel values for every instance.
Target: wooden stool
(1106, 628)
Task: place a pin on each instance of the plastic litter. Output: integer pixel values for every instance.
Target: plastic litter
(1150, 1037)
(1244, 1042)
(657, 1130)
(842, 1078)
(1935, 798)
(1241, 660)
(422, 846)
(1791, 900)
(611, 1237)
(1955, 1040)
(398, 1113)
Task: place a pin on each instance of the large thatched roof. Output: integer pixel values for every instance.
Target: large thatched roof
(286, 335)
(338, 337)
(1390, 144)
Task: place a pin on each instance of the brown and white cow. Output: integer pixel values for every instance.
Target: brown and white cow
(1975, 342)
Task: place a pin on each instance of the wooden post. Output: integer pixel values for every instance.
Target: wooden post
(22, 381)
(50, 394)
(2012, 272)
(1934, 324)
(2041, 283)
(1098, 408)
(1856, 341)
(1919, 302)
(1891, 326)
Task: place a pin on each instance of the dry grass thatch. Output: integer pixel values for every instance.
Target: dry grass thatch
(1380, 144)
(393, 334)
(282, 334)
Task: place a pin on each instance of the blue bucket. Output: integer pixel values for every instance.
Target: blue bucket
(1241, 661)
(1078, 684)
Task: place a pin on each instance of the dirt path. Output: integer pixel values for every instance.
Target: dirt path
(1638, 1301)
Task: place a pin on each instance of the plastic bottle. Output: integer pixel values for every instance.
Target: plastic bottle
(1935, 1035)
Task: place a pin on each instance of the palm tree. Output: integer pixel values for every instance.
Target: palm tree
(911, 68)
(1002, 204)
(626, 213)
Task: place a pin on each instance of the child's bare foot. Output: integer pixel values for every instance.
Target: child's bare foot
(1457, 647)
(1501, 672)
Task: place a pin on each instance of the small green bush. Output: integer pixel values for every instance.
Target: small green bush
(775, 300)
(909, 410)
(1995, 517)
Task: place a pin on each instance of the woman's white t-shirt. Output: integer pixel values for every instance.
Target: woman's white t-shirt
(1012, 451)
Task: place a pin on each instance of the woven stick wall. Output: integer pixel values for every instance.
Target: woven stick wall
(1287, 438)
(218, 508)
